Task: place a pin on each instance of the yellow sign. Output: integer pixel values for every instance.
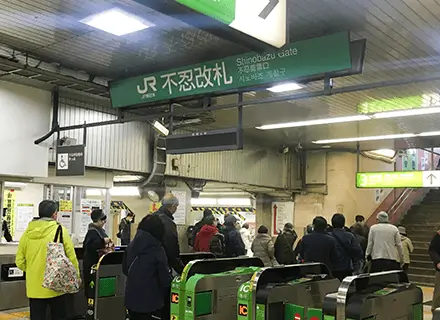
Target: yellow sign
(65, 206)
(9, 204)
(91, 302)
(173, 317)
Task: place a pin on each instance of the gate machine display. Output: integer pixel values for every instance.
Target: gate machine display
(207, 289)
(286, 292)
(378, 296)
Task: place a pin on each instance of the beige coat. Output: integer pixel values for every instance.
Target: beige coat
(262, 247)
(407, 249)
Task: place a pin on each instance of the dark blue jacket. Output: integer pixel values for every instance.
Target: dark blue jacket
(234, 245)
(318, 247)
(348, 250)
(146, 266)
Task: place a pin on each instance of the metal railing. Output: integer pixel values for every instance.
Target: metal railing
(392, 211)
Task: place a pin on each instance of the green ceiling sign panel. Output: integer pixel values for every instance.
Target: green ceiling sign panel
(301, 59)
(398, 179)
(410, 102)
(222, 10)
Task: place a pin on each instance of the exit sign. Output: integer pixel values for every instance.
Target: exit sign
(398, 179)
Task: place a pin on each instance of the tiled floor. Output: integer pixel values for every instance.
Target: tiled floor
(24, 314)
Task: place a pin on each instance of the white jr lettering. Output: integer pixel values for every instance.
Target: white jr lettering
(149, 82)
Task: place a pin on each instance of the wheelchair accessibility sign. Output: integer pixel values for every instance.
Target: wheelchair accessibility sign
(70, 160)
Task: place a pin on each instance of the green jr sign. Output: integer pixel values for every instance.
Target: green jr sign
(222, 10)
(398, 179)
(301, 59)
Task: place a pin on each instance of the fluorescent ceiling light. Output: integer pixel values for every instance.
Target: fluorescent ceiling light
(405, 113)
(15, 185)
(371, 138)
(389, 153)
(245, 202)
(203, 201)
(290, 86)
(314, 122)
(116, 21)
(127, 178)
(125, 191)
(161, 128)
(429, 134)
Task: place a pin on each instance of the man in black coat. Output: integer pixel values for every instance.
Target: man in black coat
(284, 251)
(171, 239)
(234, 245)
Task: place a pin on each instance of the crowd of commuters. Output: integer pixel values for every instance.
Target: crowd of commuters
(152, 258)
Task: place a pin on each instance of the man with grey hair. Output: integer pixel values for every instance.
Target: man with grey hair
(383, 239)
(171, 239)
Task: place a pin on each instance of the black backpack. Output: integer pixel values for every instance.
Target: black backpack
(217, 245)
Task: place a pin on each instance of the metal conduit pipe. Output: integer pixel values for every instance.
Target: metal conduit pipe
(55, 109)
(315, 94)
(153, 170)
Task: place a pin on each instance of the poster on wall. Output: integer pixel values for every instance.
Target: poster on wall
(180, 215)
(87, 206)
(9, 205)
(65, 214)
(282, 213)
(24, 214)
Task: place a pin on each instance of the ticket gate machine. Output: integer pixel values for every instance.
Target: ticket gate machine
(379, 296)
(207, 289)
(286, 292)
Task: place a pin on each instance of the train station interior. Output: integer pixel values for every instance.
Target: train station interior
(266, 117)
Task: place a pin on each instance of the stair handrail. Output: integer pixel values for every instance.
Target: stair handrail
(399, 201)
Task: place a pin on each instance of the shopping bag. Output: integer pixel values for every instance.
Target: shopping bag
(60, 274)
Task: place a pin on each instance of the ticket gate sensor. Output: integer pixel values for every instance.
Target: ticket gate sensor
(286, 292)
(379, 296)
(207, 289)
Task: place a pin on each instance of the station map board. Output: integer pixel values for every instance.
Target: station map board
(398, 179)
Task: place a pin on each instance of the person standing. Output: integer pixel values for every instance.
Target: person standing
(125, 229)
(358, 232)
(383, 239)
(284, 251)
(434, 252)
(234, 245)
(198, 226)
(263, 247)
(360, 221)
(407, 248)
(170, 243)
(31, 259)
(246, 237)
(146, 266)
(348, 249)
(318, 246)
(94, 243)
(205, 235)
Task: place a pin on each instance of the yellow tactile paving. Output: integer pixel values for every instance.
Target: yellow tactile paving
(15, 316)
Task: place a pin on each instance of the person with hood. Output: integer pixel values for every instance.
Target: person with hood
(146, 267)
(5, 228)
(198, 226)
(31, 259)
(383, 239)
(407, 248)
(263, 247)
(318, 246)
(205, 235)
(246, 237)
(95, 242)
(234, 245)
(284, 250)
(125, 229)
(348, 249)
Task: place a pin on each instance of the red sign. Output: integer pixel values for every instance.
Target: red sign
(297, 316)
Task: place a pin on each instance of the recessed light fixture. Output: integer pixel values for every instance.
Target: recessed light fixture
(283, 87)
(314, 122)
(371, 138)
(160, 128)
(116, 21)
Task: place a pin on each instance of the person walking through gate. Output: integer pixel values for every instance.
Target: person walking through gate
(284, 250)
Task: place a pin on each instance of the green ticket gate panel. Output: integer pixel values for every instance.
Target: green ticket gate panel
(380, 296)
(292, 292)
(204, 286)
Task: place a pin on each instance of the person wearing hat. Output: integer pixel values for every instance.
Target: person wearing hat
(407, 248)
(383, 240)
(234, 245)
(96, 240)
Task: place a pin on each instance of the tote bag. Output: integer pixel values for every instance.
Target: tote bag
(60, 274)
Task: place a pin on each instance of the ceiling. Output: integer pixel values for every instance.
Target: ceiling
(403, 40)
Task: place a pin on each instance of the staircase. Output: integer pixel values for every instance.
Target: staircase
(421, 222)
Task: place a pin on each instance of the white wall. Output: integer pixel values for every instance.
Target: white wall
(24, 114)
